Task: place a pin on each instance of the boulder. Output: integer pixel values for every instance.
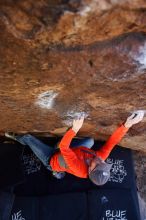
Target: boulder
(64, 57)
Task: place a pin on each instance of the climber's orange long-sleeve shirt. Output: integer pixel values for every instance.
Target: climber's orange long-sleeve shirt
(76, 158)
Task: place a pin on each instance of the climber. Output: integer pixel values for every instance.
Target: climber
(77, 158)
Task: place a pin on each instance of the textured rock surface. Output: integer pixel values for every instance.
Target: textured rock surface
(60, 58)
(140, 169)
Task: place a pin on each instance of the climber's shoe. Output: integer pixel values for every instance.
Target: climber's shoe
(11, 135)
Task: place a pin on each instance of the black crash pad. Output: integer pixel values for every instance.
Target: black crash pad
(115, 204)
(11, 171)
(107, 204)
(56, 207)
(73, 198)
(39, 181)
(6, 204)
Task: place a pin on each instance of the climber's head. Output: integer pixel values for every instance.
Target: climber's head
(99, 171)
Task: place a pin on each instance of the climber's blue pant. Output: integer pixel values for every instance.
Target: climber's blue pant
(44, 151)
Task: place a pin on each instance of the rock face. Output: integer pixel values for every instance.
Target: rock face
(59, 58)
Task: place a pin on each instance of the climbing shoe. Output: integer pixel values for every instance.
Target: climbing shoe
(11, 135)
(58, 175)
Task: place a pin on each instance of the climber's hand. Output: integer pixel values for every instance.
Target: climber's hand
(77, 123)
(134, 119)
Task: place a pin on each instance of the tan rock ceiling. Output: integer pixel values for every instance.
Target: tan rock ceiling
(60, 58)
